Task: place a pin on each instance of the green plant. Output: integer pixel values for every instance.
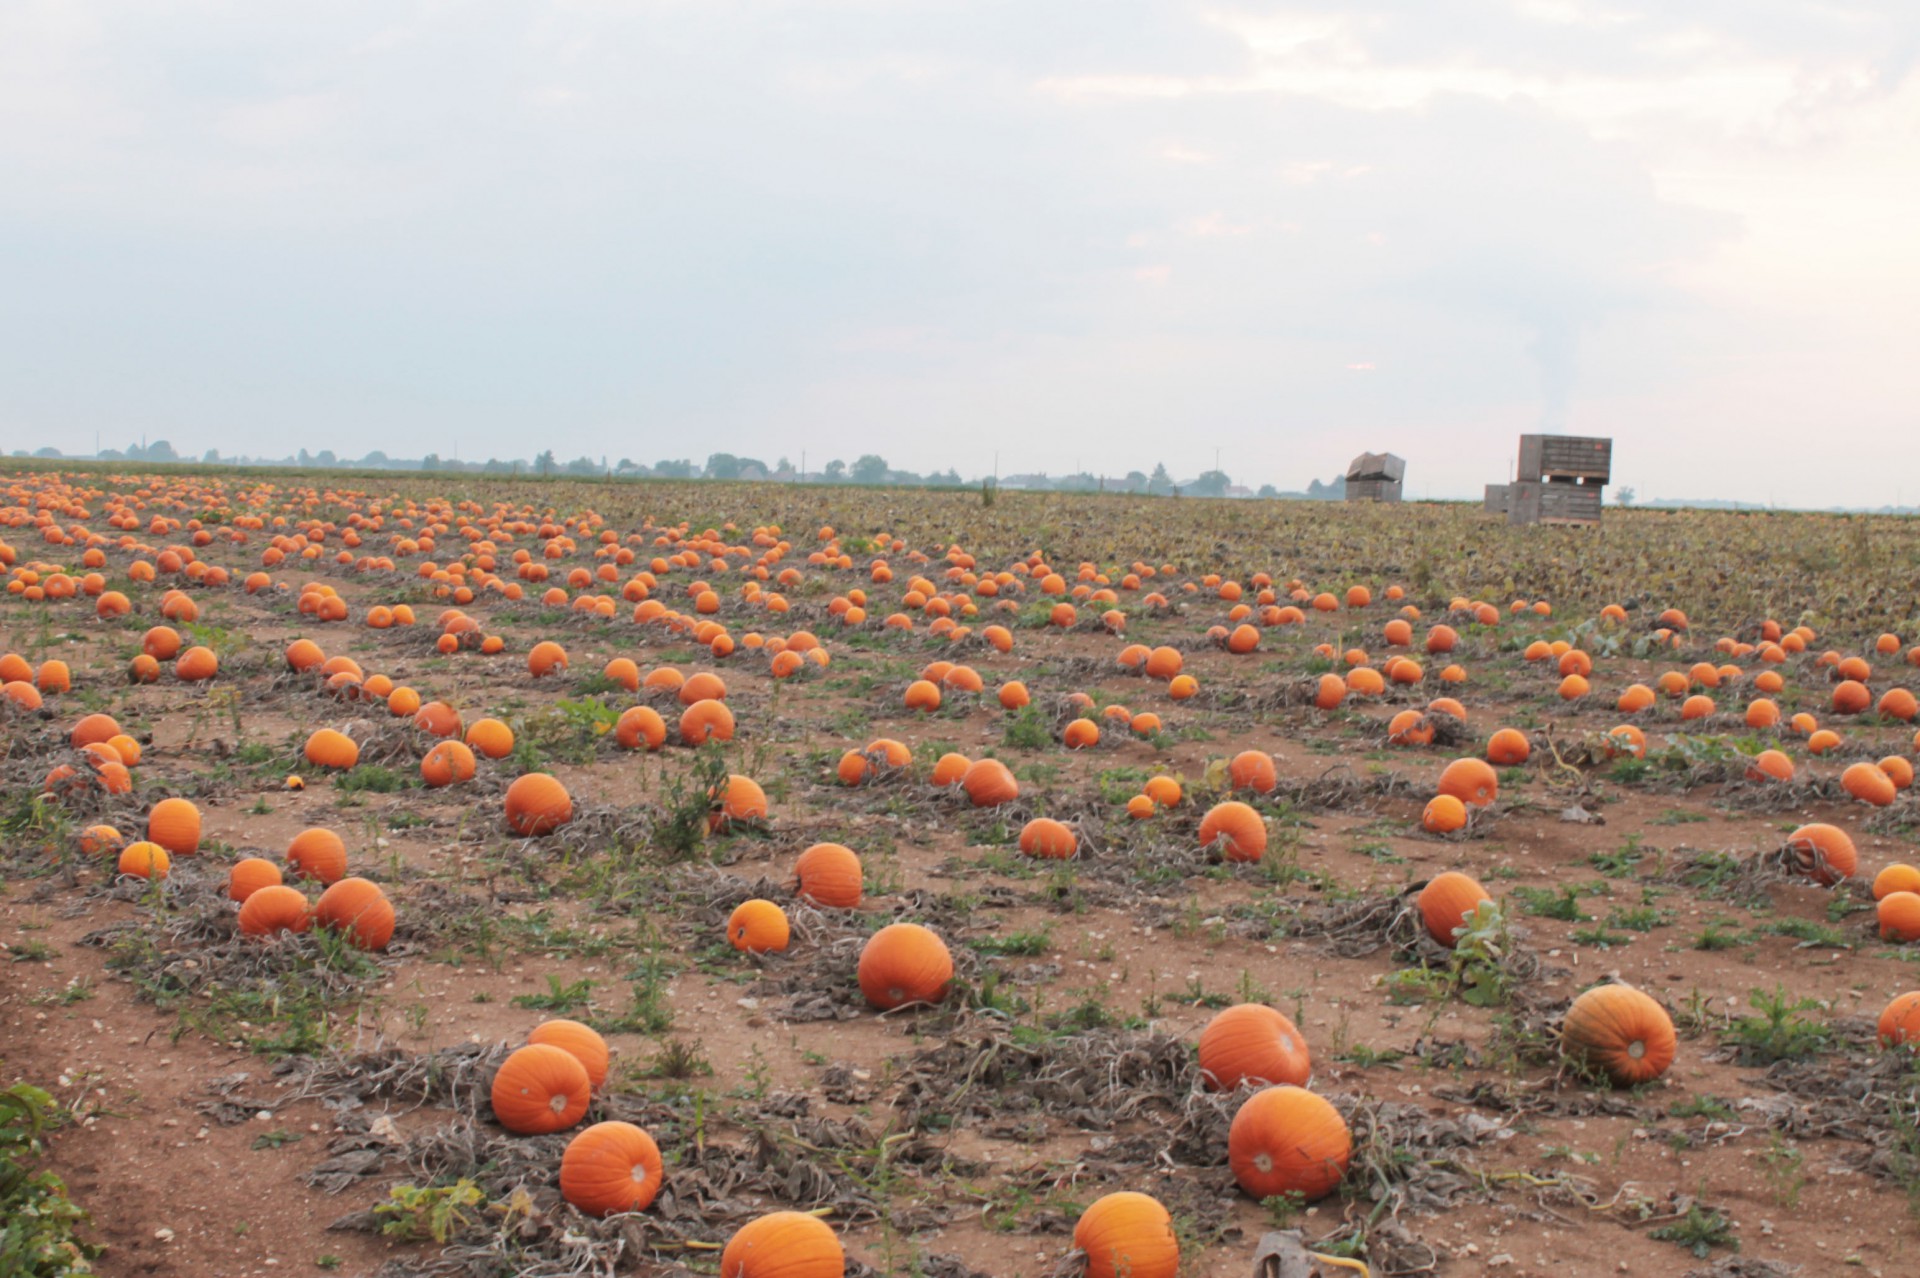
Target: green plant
(1547, 904)
(1480, 957)
(1699, 1231)
(1026, 730)
(1779, 1032)
(38, 1221)
(439, 1213)
(572, 996)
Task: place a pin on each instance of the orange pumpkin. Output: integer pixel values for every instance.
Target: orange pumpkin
(1446, 902)
(1253, 770)
(318, 853)
(1823, 852)
(272, 909)
(1869, 784)
(1620, 1031)
(328, 748)
(1048, 838)
(989, 783)
(448, 763)
(758, 927)
(829, 874)
(539, 1089)
(640, 727)
(736, 801)
(1286, 1140)
(784, 1244)
(1897, 877)
(1900, 1022)
(1252, 1043)
(249, 875)
(358, 909)
(610, 1168)
(1443, 814)
(1235, 830)
(1508, 747)
(537, 804)
(705, 721)
(490, 737)
(1127, 1235)
(145, 860)
(583, 1041)
(1899, 916)
(904, 963)
(174, 824)
(1472, 781)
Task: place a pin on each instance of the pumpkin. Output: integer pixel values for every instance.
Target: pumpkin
(1048, 838)
(904, 963)
(950, 769)
(174, 824)
(1822, 852)
(1508, 747)
(448, 763)
(735, 801)
(1013, 695)
(1636, 698)
(640, 727)
(1850, 696)
(784, 1244)
(1897, 877)
(98, 839)
(1900, 1022)
(539, 1089)
(249, 875)
(1235, 830)
(1472, 781)
(1164, 790)
(1620, 1031)
(1446, 902)
(1253, 770)
(1252, 1043)
(610, 1168)
(196, 665)
(537, 804)
(704, 686)
(274, 908)
(93, 729)
(490, 737)
(1899, 916)
(145, 861)
(1127, 1235)
(318, 854)
(328, 748)
(1770, 765)
(545, 658)
(304, 654)
(760, 927)
(705, 721)
(435, 718)
(583, 1041)
(922, 695)
(1868, 783)
(829, 874)
(360, 910)
(1164, 663)
(1410, 728)
(1287, 1140)
(1443, 814)
(989, 783)
(1898, 703)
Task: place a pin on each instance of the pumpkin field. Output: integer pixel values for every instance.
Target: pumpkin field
(440, 875)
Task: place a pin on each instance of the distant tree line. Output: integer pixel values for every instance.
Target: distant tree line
(868, 469)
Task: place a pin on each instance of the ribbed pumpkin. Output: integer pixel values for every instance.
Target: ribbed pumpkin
(1048, 838)
(1446, 901)
(1127, 1235)
(1899, 916)
(273, 909)
(249, 875)
(950, 769)
(904, 963)
(145, 860)
(358, 908)
(1869, 784)
(539, 1089)
(537, 804)
(1443, 814)
(448, 763)
(328, 748)
(436, 718)
(318, 853)
(175, 825)
(1900, 1022)
(610, 1168)
(705, 721)
(545, 658)
(1235, 831)
(640, 727)
(1508, 747)
(1287, 1140)
(736, 801)
(490, 737)
(784, 1244)
(829, 874)
(1472, 781)
(989, 783)
(92, 729)
(1898, 877)
(97, 840)
(582, 1040)
(1621, 1032)
(1253, 770)
(1252, 1043)
(1823, 852)
(759, 927)
(196, 665)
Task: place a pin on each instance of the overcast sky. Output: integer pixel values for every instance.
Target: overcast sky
(1090, 235)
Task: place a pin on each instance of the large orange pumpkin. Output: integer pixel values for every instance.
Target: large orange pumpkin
(1472, 781)
(1286, 1140)
(1253, 770)
(1621, 1032)
(1900, 1022)
(1823, 852)
(1252, 1043)
(1236, 830)
(539, 1089)
(610, 1168)
(360, 910)
(1446, 902)
(174, 824)
(273, 909)
(537, 804)
(989, 783)
(318, 853)
(1127, 1235)
(829, 874)
(784, 1244)
(759, 927)
(904, 963)
(582, 1040)
(1048, 838)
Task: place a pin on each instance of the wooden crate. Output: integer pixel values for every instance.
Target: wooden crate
(1553, 502)
(1577, 457)
(1498, 497)
(1373, 490)
(1378, 466)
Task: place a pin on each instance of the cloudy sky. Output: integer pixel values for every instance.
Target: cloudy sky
(1093, 234)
